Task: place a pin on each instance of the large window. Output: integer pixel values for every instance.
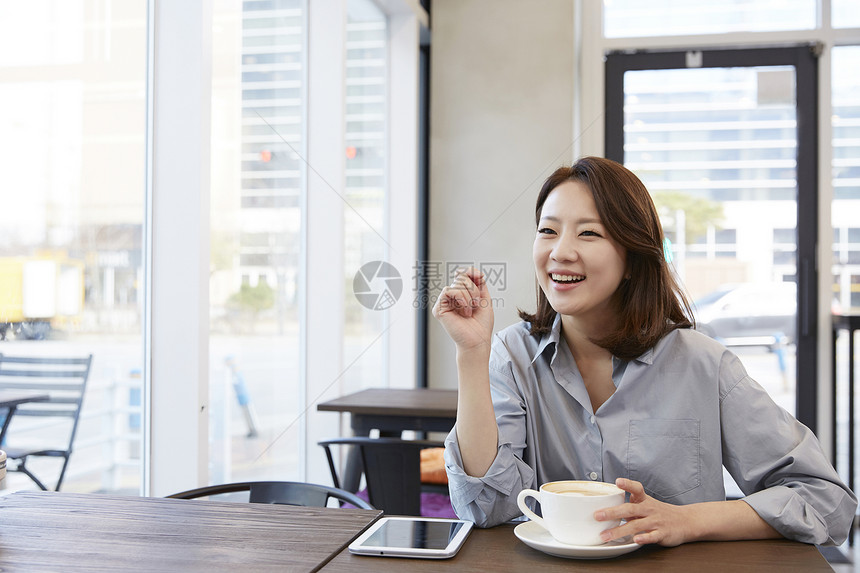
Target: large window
(257, 183)
(630, 18)
(845, 14)
(72, 120)
(300, 169)
(717, 146)
(846, 179)
(845, 218)
(365, 213)
(88, 204)
(739, 153)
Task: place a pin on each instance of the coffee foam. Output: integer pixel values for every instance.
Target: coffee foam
(581, 488)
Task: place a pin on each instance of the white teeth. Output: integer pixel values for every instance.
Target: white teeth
(566, 278)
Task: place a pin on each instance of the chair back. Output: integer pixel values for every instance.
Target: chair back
(392, 470)
(280, 492)
(65, 382)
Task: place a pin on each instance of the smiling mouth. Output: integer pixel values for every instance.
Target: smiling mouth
(566, 279)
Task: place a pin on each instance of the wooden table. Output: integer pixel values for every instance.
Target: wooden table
(87, 532)
(11, 399)
(497, 549)
(391, 411)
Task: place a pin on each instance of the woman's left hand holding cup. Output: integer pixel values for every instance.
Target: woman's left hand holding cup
(647, 520)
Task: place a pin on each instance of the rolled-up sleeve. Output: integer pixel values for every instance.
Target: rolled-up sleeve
(780, 465)
(487, 500)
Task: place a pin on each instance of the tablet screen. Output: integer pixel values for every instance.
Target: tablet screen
(415, 534)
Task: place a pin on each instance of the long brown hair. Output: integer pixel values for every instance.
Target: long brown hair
(650, 303)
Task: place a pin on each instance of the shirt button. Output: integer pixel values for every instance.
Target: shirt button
(592, 419)
(593, 475)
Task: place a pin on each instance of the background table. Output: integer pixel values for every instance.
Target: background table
(391, 411)
(851, 324)
(497, 549)
(91, 532)
(10, 400)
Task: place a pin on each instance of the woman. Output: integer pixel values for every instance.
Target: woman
(607, 381)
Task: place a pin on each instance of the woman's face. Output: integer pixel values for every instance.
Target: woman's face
(578, 265)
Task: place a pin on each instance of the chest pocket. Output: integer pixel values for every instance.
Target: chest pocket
(664, 456)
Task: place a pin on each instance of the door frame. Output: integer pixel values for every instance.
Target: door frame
(804, 58)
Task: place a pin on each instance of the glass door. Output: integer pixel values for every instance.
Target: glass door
(725, 142)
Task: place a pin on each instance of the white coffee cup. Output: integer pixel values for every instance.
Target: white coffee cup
(568, 509)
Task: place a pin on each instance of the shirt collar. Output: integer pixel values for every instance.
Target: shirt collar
(646, 357)
(551, 337)
(554, 335)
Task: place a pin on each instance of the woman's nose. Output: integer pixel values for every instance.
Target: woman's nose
(564, 250)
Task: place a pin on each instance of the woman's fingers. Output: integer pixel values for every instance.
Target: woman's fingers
(637, 523)
(463, 309)
(629, 510)
(634, 488)
(470, 280)
(646, 519)
(463, 295)
(644, 538)
(450, 299)
(465, 292)
(632, 512)
(454, 298)
(626, 511)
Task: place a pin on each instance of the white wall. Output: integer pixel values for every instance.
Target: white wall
(501, 120)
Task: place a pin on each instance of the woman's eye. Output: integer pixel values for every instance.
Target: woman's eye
(590, 233)
(545, 231)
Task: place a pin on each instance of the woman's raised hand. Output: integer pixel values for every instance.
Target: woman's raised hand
(465, 310)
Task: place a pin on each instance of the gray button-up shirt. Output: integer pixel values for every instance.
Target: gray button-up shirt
(680, 412)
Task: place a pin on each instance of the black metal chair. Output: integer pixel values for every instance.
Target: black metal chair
(392, 470)
(64, 380)
(280, 492)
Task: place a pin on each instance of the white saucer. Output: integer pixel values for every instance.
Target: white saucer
(539, 538)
